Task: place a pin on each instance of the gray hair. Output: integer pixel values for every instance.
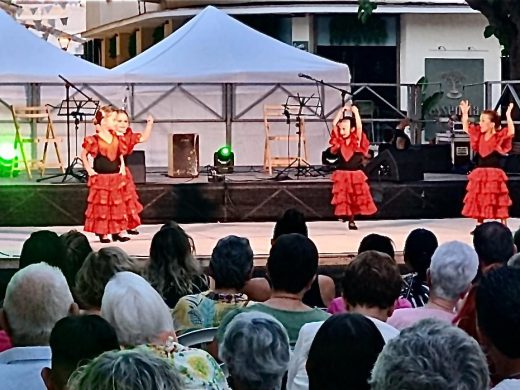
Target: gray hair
(431, 355)
(97, 270)
(514, 261)
(231, 262)
(135, 309)
(37, 297)
(255, 349)
(137, 369)
(454, 265)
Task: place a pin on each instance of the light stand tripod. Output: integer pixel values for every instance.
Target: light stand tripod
(303, 167)
(80, 110)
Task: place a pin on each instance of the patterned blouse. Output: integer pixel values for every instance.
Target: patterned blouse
(198, 369)
(205, 310)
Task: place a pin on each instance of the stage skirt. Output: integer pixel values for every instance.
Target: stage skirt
(131, 199)
(351, 194)
(487, 195)
(106, 209)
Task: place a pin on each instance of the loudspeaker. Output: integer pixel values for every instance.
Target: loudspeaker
(183, 155)
(396, 165)
(436, 158)
(136, 163)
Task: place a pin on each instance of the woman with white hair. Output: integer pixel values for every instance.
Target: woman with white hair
(453, 267)
(431, 355)
(137, 369)
(256, 351)
(141, 317)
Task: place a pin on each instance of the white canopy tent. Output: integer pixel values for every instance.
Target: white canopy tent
(216, 49)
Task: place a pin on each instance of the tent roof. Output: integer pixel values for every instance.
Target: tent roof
(214, 47)
(28, 58)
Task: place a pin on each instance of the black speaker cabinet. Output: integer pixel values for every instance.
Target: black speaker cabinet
(183, 155)
(436, 158)
(136, 163)
(396, 165)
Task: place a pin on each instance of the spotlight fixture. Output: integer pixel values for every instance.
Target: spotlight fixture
(8, 161)
(224, 160)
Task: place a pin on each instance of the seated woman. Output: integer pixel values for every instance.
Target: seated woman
(231, 267)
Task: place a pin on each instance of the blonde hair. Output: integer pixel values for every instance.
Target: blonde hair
(103, 112)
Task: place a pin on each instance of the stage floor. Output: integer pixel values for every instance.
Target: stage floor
(333, 239)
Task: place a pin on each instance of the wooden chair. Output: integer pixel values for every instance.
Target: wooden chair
(36, 113)
(275, 114)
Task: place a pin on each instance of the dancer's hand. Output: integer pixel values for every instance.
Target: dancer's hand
(149, 120)
(122, 170)
(464, 107)
(354, 110)
(510, 109)
(91, 172)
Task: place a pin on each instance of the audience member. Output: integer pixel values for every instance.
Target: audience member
(77, 248)
(136, 369)
(96, 271)
(37, 297)
(454, 265)
(43, 245)
(498, 315)
(343, 353)
(431, 355)
(256, 351)
(371, 285)
(173, 270)
(418, 251)
(290, 252)
(231, 266)
(141, 317)
(74, 341)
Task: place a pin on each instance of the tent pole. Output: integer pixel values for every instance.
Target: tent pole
(229, 112)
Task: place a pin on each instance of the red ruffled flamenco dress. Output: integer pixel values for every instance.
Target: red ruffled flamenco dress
(487, 195)
(133, 206)
(350, 191)
(106, 209)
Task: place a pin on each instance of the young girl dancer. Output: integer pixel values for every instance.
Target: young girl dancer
(487, 195)
(106, 209)
(128, 139)
(350, 192)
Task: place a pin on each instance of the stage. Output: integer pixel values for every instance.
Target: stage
(248, 195)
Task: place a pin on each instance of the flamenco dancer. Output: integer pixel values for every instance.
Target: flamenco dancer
(127, 141)
(487, 195)
(106, 209)
(350, 192)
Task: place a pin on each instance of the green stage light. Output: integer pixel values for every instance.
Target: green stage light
(224, 159)
(8, 160)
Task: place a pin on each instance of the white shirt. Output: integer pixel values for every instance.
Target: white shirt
(20, 368)
(508, 384)
(297, 376)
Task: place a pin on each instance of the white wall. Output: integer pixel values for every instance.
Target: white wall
(421, 36)
(102, 12)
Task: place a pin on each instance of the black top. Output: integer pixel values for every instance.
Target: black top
(493, 160)
(312, 297)
(104, 165)
(171, 295)
(414, 290)
(400, 134)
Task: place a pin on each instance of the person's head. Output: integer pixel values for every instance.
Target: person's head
(345, 127)
(231, 264)
(493, 242)
(256, 351)
(97, 270)
(77, 248)
(498, 314)
(136, 369)
(292, 221)
(136, 310)
(516, 240)
(37, 297)
(377, 242)
(454, 266)
(171, 260)
(489, 121)
(372, 281)
(43, 245)
(431, 355)
(74, 341)
(292, 252)
(418, 250)
(514, 261)
(123, 121)
(403, 124)
(105, 118)
(343, 353)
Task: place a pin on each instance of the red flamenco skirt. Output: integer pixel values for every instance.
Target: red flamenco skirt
(351, 194)
(133, 206)
(106, 209)
(487, 195)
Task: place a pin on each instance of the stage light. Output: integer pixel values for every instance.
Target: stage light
(224, 160)
(8, 160)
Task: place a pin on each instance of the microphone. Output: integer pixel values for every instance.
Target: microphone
(287, 115)
(305, 76)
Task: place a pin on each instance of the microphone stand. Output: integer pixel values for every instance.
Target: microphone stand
(343, 92)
